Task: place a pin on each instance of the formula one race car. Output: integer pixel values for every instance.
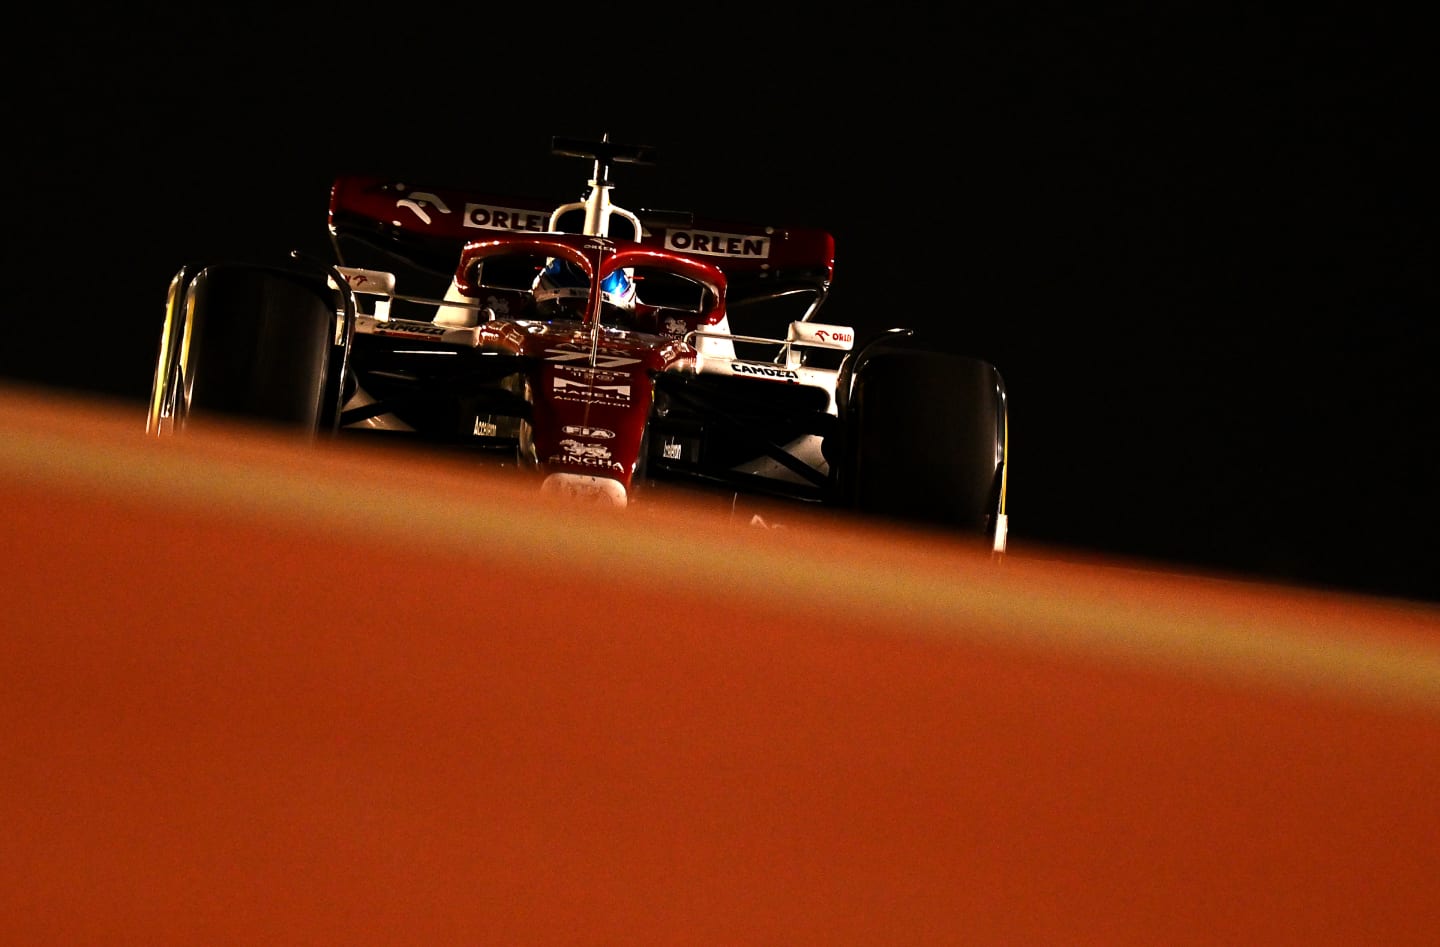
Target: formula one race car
(598, 350)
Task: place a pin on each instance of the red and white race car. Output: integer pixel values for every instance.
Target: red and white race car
(596, 349)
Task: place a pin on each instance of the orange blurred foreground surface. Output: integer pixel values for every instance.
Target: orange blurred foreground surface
(258, 693)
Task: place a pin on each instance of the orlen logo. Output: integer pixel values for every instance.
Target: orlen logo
(376, 282)
(826, 335)
(717, 244)
(491, 217)
(420, 201)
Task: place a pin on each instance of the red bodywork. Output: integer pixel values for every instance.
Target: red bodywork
(592, 391)
(380, 207)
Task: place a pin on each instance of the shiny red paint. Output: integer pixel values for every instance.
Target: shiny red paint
(455, 216)
(592, 390)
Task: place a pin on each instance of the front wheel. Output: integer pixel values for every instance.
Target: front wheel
(246, 342)
(925, 441)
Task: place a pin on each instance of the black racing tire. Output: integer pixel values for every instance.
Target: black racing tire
(925, 440)
(165, 386)
(261, 341)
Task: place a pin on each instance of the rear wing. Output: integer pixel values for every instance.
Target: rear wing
(429, 227)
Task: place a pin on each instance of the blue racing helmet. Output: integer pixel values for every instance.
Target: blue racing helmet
(562, 284)
(618, 289)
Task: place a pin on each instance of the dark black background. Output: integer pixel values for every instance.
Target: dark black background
(1192, 239)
